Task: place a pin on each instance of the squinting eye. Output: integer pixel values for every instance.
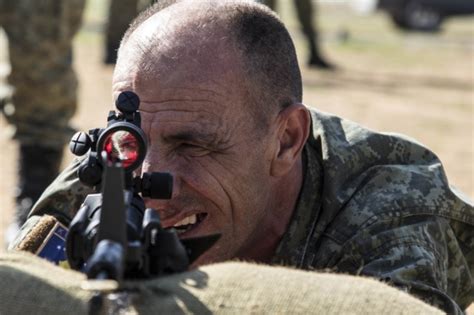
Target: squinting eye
(192, 150)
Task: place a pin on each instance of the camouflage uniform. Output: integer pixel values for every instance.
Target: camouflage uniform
(40, 35)
(372, 204)
(380, 205)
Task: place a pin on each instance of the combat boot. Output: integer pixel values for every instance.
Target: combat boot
(315, 59)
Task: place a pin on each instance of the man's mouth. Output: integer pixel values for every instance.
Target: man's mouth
(189, 223)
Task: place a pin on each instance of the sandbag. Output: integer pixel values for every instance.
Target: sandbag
(30, 285)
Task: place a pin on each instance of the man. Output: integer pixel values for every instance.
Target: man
(40, 35)
(221, 93)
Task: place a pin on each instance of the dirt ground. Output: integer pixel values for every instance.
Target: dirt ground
(420, 85)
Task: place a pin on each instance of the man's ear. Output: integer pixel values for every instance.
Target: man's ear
(293, 130)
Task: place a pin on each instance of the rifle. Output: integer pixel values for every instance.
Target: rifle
(113, 237)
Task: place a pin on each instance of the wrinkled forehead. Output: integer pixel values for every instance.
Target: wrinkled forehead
(171, 48)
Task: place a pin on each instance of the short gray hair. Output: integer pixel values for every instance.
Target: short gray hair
(267, 50)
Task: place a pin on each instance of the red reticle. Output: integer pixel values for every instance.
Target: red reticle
(122, 146)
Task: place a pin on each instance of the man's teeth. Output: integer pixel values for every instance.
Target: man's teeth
(187, 221)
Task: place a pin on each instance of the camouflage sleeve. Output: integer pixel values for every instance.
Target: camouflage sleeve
(63, 198)
(419, 255)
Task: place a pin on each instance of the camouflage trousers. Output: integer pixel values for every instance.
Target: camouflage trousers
(40, 34)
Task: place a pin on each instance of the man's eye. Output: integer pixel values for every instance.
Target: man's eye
(192, 149)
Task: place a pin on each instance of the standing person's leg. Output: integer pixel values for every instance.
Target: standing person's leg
(6, 8)
(40, 35)
(121, 14)
(306, 14)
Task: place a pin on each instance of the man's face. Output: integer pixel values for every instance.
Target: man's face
(199, 129)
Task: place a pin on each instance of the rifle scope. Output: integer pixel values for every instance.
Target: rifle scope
(113, 236)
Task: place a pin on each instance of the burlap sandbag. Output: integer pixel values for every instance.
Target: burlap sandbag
(29, 285)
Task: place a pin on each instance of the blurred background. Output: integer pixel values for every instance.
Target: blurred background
(400, 67)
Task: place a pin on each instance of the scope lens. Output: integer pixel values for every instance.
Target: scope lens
(122, 146)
